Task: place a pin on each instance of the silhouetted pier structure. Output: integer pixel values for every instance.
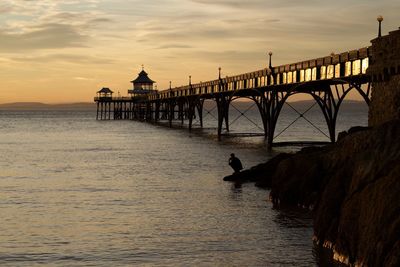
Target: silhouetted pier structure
(327, 79)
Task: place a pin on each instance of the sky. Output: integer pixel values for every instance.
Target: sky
(63, 51)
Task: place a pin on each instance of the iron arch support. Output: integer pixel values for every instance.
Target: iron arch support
(257, 97)
(272, 107)
(269, 103)
(328, 106)
(330, 102)
(366, 95)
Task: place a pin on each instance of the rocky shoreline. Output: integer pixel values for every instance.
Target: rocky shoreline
(352, 187)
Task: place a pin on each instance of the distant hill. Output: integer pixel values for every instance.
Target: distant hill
(83, 106)
(41, 106)
(303, 104)
(345, 104)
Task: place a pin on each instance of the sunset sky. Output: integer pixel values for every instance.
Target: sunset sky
(56, 51)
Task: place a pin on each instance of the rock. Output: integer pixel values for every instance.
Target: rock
(354, 187)
(263, 172)
(357, 129)
(342, 135)
(259, 174)
(240, 177)
(296, 180)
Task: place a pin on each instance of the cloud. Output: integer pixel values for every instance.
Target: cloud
(47, 24)
(230, 56)
(46, 36)
(230, 3)
(174, 46)
(64, 58)
(100, 20)
(83, 78)
(255, 3)
(4, 9)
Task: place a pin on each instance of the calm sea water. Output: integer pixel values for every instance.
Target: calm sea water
(79, 192)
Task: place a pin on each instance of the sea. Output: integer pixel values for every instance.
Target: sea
(75, 191)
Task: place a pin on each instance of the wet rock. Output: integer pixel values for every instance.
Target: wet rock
(240, 177)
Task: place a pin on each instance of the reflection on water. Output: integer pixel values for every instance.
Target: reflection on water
(293, 217)
(78, 192)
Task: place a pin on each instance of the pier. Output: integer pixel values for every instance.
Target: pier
(328, 80)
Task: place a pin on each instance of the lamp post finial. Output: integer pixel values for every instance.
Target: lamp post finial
(380, 19)
(270, 59)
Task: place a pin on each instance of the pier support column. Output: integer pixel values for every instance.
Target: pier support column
(130, 111)
(223, 110)
(270, 104)
(97, 112)
(171, 112)
(330, 110)
(157, 111)
(191, 111)
(101, 110)
(109, 110)
(149, 112)
(276, 102)
(181, 107)
(162, 110)
(135, 111)
(199, 106)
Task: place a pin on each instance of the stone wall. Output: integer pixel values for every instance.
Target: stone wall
(384, 70)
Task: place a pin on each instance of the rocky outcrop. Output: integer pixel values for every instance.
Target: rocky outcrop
(354, 189)
(260, 174)
(357, 211)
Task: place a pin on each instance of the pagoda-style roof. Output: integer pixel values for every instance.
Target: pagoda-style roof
(143, 78)
(105, 90)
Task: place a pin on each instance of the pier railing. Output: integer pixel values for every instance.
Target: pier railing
(335, 66)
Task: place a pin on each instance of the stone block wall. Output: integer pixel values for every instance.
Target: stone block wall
(384, 70)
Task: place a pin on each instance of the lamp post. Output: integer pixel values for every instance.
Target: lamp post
(380, 19)
(190, 79)
(270, 61)
(219, 73)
